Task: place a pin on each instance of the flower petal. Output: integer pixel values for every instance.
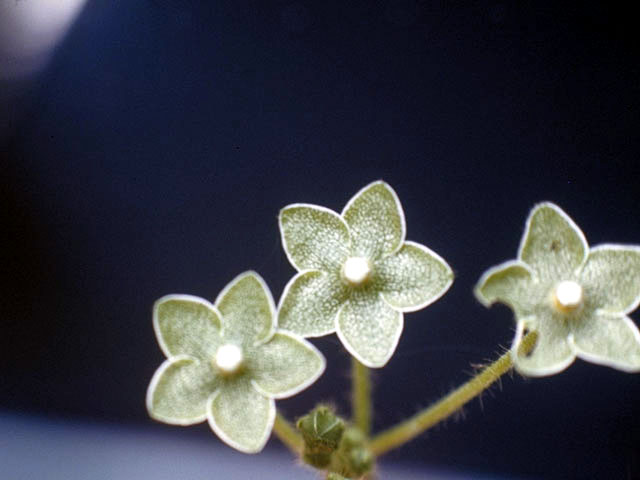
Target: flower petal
(611, 278)
(510, 283)
(241, 417)
(552, 244)
(369, 328)
(185, 324)
(313, 237)
(376, 221)
(609, 340)
(552, 352)
(248, 312)
(285, 365)
(310, 303)
(179, 390)
(413, 278)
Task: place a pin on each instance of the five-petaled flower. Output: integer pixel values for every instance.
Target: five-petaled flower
(227, 363)
(357, 274)
(575, 298)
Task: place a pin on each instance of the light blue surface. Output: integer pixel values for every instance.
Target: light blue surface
(38, 448)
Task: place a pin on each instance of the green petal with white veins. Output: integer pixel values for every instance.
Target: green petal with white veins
(552, 352)
(179, 391)
(413, 278)
(310, 304)
(314, 238)
(552, 245)
(241, 417)
(611, 278)
(285, 365)
(185, 324)
(376, 221)
(369, 328)
(248, 312)
(510, 283)
(609, 340)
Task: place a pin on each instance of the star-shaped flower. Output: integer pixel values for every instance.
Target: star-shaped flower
(575, 298)
(226, 363)
(357, 274)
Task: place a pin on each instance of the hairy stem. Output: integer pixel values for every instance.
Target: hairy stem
(361, 396)
(422, 421)
(287, 434)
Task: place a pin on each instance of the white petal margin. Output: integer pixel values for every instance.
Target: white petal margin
(551, 353)
(414, 277)
(369, 328)
(248, 310)
(612, 276)
(179, 391)
(310, 303)
(313, 237)
(613, 341)
(185, 324)
(376, 221)
(241, 416)
(509, 283)
(286, 365)
(552, 244)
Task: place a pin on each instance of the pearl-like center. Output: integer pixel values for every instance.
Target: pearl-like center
(567, 295)
(356, 270)
(228, 359)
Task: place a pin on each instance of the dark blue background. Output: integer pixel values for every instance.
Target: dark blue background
(154, 154)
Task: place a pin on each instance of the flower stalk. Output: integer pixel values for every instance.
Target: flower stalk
(422, 421)
(361, 396)
(287, 434)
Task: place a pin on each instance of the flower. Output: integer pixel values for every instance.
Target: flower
(226, 363)
(357, 274)
(575, 298)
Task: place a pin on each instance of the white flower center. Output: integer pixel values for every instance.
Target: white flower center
(356, 270)
(567, 295)
(228, 359)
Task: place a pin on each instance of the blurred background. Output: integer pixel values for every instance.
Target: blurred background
(147, 147)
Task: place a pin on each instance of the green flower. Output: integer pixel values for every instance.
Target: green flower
(575, 298)
(226, 363)
(357, 274)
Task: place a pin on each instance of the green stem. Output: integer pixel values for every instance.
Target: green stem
(422, 421)
(287, 434)
(361, 396)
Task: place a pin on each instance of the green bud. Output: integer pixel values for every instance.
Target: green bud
(321, 431)
(356, 458)
(351, 438)
(360, 460)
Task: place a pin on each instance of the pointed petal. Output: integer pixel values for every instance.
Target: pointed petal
(376, 221)
(609, 340)
(413, 278)
(510, 283)
(369, 328)
(241, 417)
(552, 352)
(179, 390)
(313, 237)
(248, 312)
(285, 365)
(611, 278)
(185, 324)
(552, 244)
(310, 303)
